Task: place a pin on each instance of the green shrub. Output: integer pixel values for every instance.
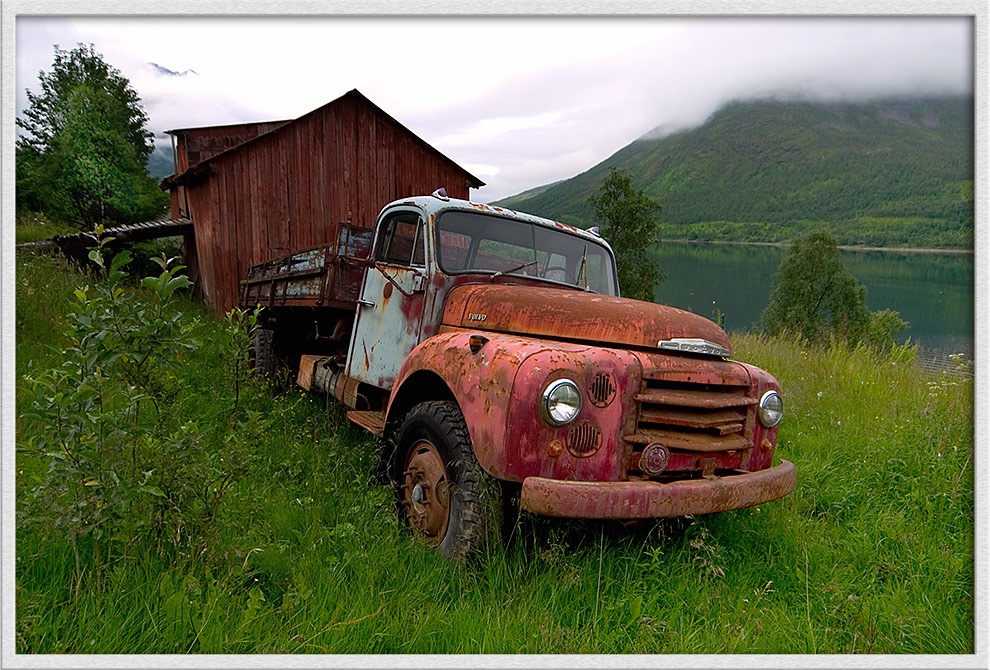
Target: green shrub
(123, 464)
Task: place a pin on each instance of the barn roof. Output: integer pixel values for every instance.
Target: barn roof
(202, 167)
(176, 131)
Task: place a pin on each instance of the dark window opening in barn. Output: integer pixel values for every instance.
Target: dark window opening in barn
(401, 240)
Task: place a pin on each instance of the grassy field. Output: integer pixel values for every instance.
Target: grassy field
(33, 227)
(873, 553)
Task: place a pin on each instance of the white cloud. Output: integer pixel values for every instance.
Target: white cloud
(527, 101)
(495, 129)
(481, 170)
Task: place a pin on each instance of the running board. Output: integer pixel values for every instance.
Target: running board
(371, 421)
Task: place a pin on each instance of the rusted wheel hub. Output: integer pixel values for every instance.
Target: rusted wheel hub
(425, 492)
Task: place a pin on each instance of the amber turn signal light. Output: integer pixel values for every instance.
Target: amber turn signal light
(476, 342)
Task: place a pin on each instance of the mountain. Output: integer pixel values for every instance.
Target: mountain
(526, 195)
(887, 173)
(160, 163)
(162, 70)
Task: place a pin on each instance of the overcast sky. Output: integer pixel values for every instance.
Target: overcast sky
(519, 102)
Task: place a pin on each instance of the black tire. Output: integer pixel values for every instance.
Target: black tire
(263, 341)
(458, 507)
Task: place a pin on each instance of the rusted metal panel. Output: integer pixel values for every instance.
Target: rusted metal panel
(763, 439)
(328, 275)
(574, 315)
(498, 386)
(388, 323)
(481, 382)
(529, 436)
(688, 441)
(307, 365)
(642, 500)
(701, 399)
(323, 374)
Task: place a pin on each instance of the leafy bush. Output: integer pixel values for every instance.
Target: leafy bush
(880, 332)
(145, 254)
(123, 465)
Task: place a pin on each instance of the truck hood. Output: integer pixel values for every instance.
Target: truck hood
(554, 313)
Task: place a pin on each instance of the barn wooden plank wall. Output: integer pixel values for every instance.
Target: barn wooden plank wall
(287, 190)
(194, 145)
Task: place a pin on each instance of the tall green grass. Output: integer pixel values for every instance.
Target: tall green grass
(35, 226)
(873, 553)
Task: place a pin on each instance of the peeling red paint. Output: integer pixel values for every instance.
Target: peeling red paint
(644, 500)
(576, 316)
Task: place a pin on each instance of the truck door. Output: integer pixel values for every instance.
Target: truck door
(390, 312)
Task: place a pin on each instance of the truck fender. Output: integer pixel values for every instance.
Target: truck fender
(445, 367)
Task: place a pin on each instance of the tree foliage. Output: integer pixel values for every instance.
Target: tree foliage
(82, 151)
(815, 296)
(630, 221)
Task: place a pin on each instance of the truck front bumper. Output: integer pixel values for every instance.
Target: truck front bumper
(646, 499)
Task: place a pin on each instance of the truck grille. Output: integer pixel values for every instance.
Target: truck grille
(693, 421)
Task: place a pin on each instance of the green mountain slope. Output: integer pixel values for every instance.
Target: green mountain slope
(891, 173)
(160, 163)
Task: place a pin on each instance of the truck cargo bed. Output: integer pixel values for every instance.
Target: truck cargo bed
(325, 276)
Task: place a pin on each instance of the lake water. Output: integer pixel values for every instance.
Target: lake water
(934, 292)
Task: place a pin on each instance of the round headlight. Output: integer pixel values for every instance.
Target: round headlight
(561, 402)
(771, 409)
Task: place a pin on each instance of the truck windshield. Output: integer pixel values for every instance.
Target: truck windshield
(475, 242)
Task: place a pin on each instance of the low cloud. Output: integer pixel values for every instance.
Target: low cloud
(556, 99)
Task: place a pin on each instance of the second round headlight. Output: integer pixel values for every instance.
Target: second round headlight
(561, 402)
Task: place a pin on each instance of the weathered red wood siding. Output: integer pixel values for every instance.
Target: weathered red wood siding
(193, 145)
(288, 189)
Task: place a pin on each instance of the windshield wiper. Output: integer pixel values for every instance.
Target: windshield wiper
(584, 269)
(511, 270)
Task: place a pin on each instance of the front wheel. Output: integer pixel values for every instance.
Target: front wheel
(440, 490)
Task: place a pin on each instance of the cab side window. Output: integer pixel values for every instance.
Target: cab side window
(401, 240)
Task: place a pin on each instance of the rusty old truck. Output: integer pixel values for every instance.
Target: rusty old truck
(491, 351)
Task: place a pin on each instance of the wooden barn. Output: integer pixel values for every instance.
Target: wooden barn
(263, 190)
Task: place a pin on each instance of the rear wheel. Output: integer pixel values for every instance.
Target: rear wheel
(263, 340)
(267, 364)
(440, 489)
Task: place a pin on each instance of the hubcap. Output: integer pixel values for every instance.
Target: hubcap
(425, 492)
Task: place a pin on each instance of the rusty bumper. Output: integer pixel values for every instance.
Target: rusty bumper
(644, 499)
